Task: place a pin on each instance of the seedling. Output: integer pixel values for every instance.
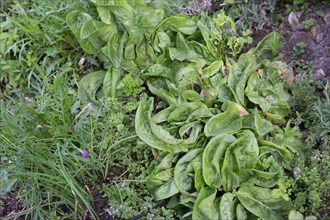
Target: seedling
(299, 49)
(308, 23)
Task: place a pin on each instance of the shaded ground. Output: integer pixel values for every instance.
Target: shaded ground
(307, 40)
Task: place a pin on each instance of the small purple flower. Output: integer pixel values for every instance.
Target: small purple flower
(84, 154)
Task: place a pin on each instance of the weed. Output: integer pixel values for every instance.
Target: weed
(308, 23)
(253, 14)
(320, 13)
(299, 50)
(34, 43)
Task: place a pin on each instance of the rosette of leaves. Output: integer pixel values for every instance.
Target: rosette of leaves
(215, 130)
(132, 38)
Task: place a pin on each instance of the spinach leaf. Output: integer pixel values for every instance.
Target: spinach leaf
(213, 157)
(226, 122)
(262, 203)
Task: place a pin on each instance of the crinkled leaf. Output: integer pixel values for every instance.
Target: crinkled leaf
(184, 182)
(227, 206)
(90, 84)
(180, 22)
(144, 131)
(206, 207)
(162, 185)
(226, 122)
(110, 81)
(262, 203)
(114, 49)
(241, 154)
(191, 96)
(263, 126)
(260, 91)
(267, 48)
(241, 212)
(213, 156)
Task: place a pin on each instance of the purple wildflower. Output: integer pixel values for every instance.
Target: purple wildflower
(84, 154)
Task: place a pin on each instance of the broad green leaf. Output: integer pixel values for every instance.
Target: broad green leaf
(110, 81)
(161, 93)
(104, 14)
(194, 169)
(86, 31)
(262, 203)
(213, 156)
(124, 13)
(241, 154)
(247, 150)
(144, 131)
(295, 215)
(200, 111)
(129, 50)
(206, 206)
(182, 51)
(180, 114)
(241, 212)
(248, 64)
(158, 70)
(226, 93)
(180, 22)
(106, 32)
(285, 153)
(162, 115)
(90, 84)
(167, 161)
(258, 177)
(263, 126)
(191, 96)
(213, 69)
(226, 122)
(75, 20)
(162, 185)
(161, 41)
(90, 40)
(165, 135)
(184, 182)
(227, 206)
(186, 128)
(207, 39)
(114, 49)
(260, 91)
(267, 48)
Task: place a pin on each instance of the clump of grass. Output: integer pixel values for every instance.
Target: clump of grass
(42, 158)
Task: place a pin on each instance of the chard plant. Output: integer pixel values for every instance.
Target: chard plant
(215, 118)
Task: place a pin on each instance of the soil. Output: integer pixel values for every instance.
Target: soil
(9, 206)
(315, 57)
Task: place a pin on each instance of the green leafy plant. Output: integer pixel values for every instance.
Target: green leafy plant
(208, 101)
(299, 49)
(220, 151)
(253, 14)
(41, 158)
(35, 44)
(135, 44)
(308, 23)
